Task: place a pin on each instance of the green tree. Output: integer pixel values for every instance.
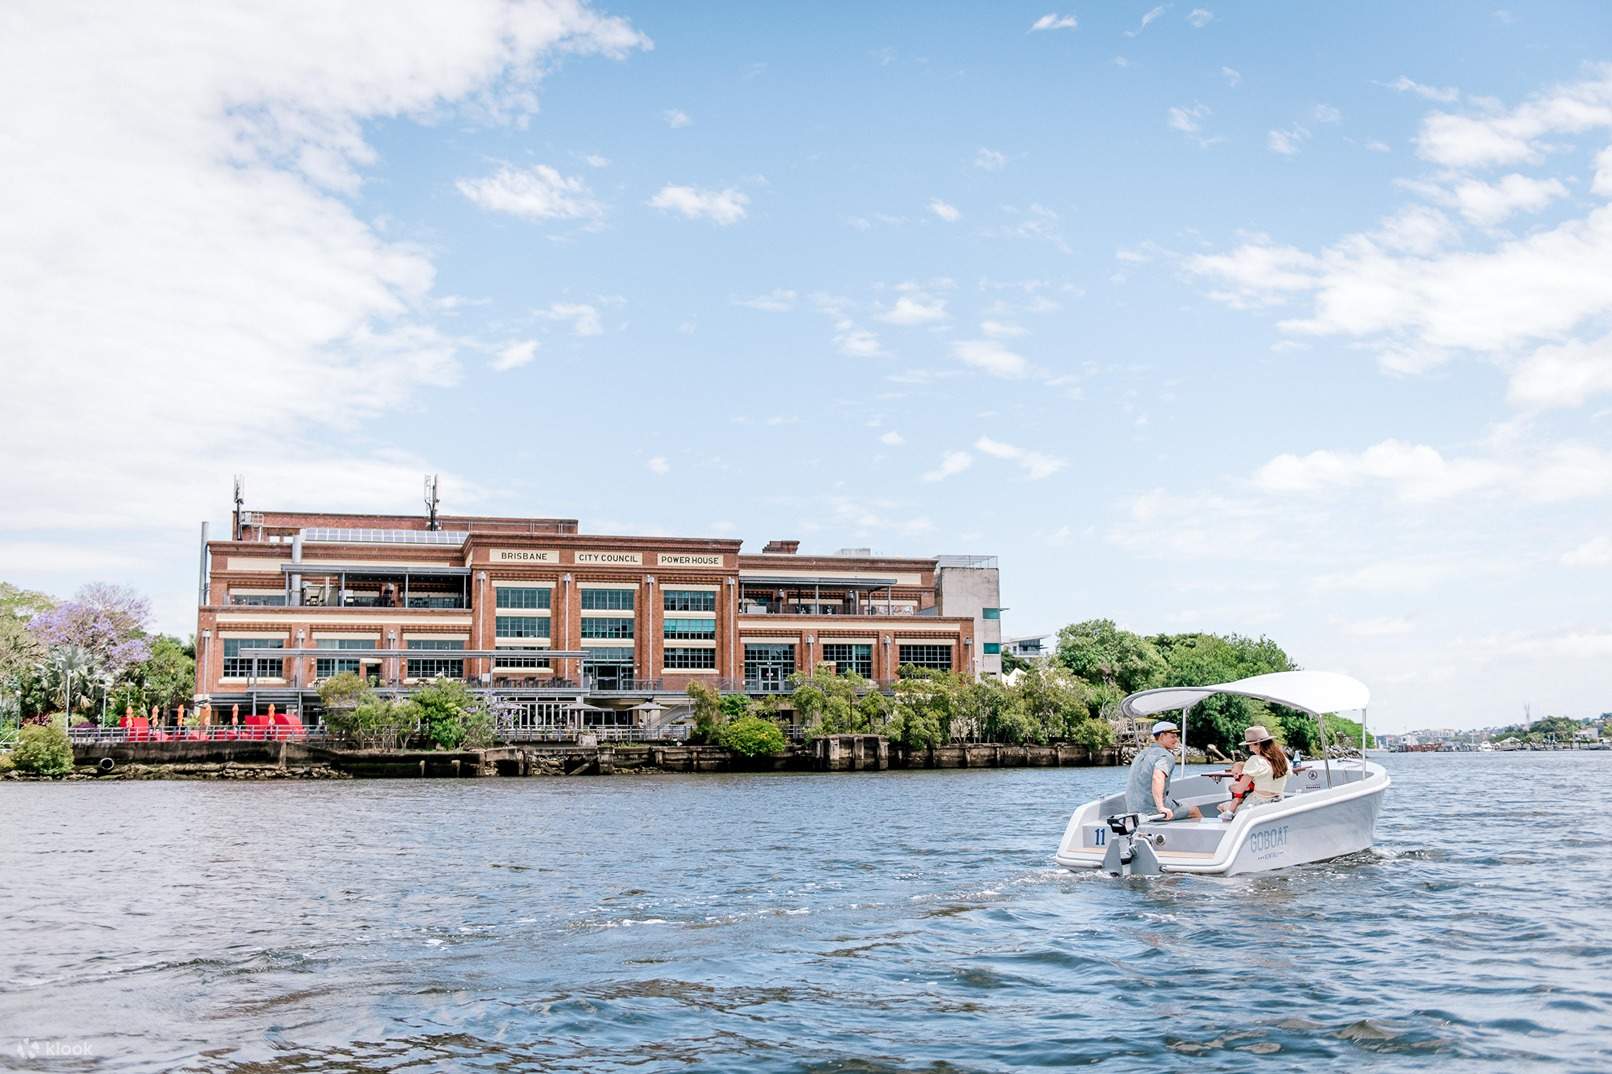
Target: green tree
(452, 716)
(827, 703)
(1054, 701)
(1201, 659)
(166, 678)
(751, 736)
(342, 691)
(709, 714)
(20, 651)
(924, 707)
(374, 723)
(43, 749)
(1100, 652)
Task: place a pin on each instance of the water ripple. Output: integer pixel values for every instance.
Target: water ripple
(905, 922)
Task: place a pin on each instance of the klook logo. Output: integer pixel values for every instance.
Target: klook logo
(28, 1048)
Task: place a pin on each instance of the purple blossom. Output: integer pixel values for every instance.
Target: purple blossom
(105, 621)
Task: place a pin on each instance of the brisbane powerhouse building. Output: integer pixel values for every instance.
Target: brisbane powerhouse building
(533, 608)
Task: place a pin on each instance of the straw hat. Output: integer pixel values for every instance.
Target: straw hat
(1255, 735)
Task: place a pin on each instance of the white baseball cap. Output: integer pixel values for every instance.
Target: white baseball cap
(1163, 726)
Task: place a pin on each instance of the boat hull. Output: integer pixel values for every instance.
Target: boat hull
(1315, 825)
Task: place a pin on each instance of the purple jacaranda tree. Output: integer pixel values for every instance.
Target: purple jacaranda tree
(99, 632)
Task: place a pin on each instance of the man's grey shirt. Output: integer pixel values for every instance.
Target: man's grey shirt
(1139, 792)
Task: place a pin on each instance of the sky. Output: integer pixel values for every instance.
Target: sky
(1282, 320)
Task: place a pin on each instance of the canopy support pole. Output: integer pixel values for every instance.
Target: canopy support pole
(1184, 710)
(1326, 754)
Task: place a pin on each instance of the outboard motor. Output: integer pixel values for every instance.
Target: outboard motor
(1130, 854)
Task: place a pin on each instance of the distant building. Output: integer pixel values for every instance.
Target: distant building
(533, 608)
(1031, 647)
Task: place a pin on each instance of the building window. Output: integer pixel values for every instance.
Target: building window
(607, 627)
(430, 669)
(237, 666)
(521, 626)
(767, 667)
(522, 662)
(609, 668)
(688, 600)
(259, 600)
(608, 600)
(689, 629)
(991, 613)
(993, 648)
(326, 666)
(523, 598)
(938, 657)
(849, 658)
(689, 658)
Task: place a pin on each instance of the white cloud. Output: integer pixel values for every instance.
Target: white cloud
(535, 193)
(1488, 204)
(1444, 95)
(1036, 464)
(676, 118)
(989, 160)
(989, 356)
(892, 439)
(1287, 142)
(1325, 113)
(1232, 76)
(1595, 552)
(951, 464)
(515, 355)
(1414, 472)
(1146, 19)
(723, 207)
(594, 160)
(1188, 120)
(659, 466)
(1397, 290)
(1200, 17)
(774, 301)
(1398, 576)
(584, 318)
(1375, 146)
(1500, 136)
(1053, 22)
(1564, 375)
(914, 309)
(1603, 173)
(944, 210)
(184, 202)
(1001, 329)
(1381, 627)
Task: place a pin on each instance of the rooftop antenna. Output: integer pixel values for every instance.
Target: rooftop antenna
(431, 501)
(240, 498)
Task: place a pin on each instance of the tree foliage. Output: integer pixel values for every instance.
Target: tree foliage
(43, 749)
(451, 715)
(751, 736)
(1097, 651)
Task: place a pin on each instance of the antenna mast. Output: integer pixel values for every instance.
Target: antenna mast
(240, 498)
(431, 501)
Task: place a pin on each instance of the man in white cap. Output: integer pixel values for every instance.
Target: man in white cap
(1149, 788)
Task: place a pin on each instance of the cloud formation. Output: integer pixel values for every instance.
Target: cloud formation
(722, 207)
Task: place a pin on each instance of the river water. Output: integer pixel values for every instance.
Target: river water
(856, 922)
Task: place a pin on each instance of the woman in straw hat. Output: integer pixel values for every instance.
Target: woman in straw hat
(1261, 778)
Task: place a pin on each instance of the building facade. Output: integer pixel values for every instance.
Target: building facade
(534, 606)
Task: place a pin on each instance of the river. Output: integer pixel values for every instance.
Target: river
(897, 921)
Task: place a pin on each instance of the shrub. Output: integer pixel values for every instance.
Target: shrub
(1093, 734)
(342, 691)
(710, 714)
(451, 716)
(44, 750)
(751, 736)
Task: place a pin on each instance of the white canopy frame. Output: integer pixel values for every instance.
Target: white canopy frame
(1314, 692)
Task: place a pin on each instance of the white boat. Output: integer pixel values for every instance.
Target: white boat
(1329, 809)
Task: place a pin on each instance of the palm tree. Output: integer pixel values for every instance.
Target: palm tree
(70, 662)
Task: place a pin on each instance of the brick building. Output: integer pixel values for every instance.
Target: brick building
(534, 609)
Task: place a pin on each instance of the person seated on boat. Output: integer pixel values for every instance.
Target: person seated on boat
(1149, 788)
(1263, 777)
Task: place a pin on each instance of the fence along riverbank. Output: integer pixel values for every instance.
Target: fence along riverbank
(831, 753)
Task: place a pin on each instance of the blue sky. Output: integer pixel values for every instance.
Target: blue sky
(1223, 317)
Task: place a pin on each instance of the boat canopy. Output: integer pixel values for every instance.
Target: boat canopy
(1315, 692)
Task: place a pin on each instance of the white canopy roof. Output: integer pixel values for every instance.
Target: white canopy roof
(1313, 691)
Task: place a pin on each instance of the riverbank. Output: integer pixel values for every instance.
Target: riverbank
(237, 760)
